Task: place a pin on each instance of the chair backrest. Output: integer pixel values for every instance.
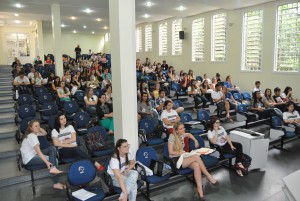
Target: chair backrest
(242, 108)
(25, 99)
(26, 111)
(246, 96)
(97, 92)
(178, 103)
(185, 117)
(166, 151)
(71, 107)
(44, 143)
(81, 119)
(238, 97)
(199, 78)
(39, 90)
(49, 108)
(24, 124)
(176, 87)
(203, 115)
(145, 155)
(45, 98)
(276, 122)
(79, 95)
(81, 172)
(100, 130)
(51, 122)
(147, 125)
(200, 141)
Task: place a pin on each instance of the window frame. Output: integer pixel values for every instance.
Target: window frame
(176, 35)
(151, 32)
(212, 38)
(203, 41)
(159, 42)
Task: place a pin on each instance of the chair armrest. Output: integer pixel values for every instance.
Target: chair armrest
(142, 172)
(108, 181)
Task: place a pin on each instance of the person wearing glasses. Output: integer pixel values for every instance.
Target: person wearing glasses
(120, 169)
(292, 117)
(218, 136)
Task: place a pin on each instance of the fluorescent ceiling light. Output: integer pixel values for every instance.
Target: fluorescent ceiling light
(18, 5)
(93, 32)
(105, 27)
(74, 31)
(98, 19)
(149, 3)
(17, 21)
(181, 8)
(16, 14)
(73, 18)
(146, 16)
(88, 10)
(62, 25)
(84, 27)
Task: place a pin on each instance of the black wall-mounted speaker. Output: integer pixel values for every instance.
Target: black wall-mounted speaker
(181, 35)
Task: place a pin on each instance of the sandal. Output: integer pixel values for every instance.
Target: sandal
(60, 187)
(239, 173)
(229, 120)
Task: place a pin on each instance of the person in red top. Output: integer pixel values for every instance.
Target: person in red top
(48, 61)
(185, 82)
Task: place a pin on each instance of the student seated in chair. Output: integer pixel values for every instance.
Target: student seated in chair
(22, 82)
(176, 148)
(63, 92)
(169, 116)
(258, 106)
(217, 135)
(33, 155)
(121, 171)
(291, 116)
(220, 99)
(64, 137)
(105, 114)
(159, 103)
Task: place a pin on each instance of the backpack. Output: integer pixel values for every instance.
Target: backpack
(159, 131)
(142, 136)
(246, 161)
(94, 142)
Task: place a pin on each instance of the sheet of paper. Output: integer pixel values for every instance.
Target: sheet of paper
(83, 194)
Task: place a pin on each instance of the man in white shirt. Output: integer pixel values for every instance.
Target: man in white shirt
(220, 99)
(257, 88)
(159, 103)
(22, 82)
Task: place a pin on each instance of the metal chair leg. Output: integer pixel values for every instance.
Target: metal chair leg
(32, 182)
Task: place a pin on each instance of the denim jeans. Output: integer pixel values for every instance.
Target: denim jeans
(130, 183)
(51, 152)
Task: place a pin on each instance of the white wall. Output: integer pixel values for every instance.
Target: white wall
(70, 41)
(234, 47)
(11, 30)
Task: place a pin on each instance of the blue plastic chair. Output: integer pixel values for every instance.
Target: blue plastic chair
(181, 171)
(23, 100)
(22, 128)
(148, 126)
(246, 96)
(102, 131)
(38, 91)
(238, 97)
(204, 118)
(80, 122)
(47, 110)
(25, 111)
(199, 78)
(243, 111)
(177, 88)
(79, 97)
(209, 161)
(186, 117)
(80, 174)
(178, 103)
(70, 108)
(144, 155)
(287, 132)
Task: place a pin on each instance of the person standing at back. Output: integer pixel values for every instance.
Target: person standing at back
(78, 52)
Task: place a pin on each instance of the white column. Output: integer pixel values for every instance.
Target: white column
(40, 40)
(122, 38)
(56, 32)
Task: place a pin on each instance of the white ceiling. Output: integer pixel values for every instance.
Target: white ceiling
(161, 9)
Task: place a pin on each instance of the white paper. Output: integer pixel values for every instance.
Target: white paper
(83, 194)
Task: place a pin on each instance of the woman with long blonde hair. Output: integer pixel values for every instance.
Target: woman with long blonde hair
(176, 148)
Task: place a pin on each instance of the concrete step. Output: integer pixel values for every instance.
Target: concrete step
(6, 99)
(8, 131)
(9, 144)
(6, 87)
(7, 108)
(7, 118)
(6, 93)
